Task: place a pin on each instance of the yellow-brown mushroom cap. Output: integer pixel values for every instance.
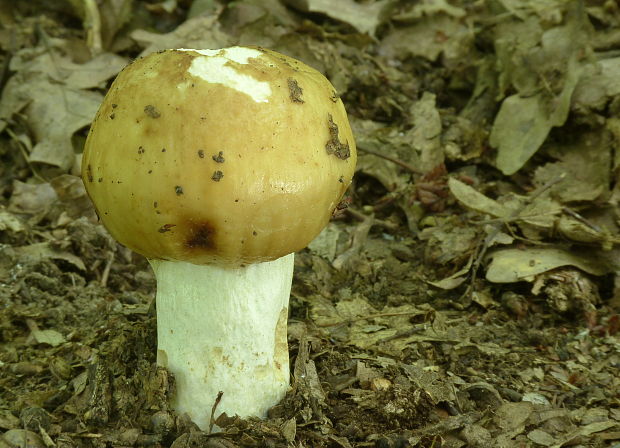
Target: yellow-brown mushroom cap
(224, 156)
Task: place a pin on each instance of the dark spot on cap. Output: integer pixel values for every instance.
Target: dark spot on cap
(334, 145)
(151, 111)
(295, 92)
(254, 233)
(217, 176)
(200, 236)
(141, 150)
(178, 190)
(89, 173)
(150, 171)
(100, 179)
(111, 116)
(163, 149)
(155, 204)
(341, 179)
(166, 228)
(219, 157)
(334, 96)
(114, 106)
(201, 154)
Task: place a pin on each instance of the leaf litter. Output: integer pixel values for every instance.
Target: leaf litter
(468, 296)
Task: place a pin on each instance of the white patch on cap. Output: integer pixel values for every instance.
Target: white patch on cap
(212, 68)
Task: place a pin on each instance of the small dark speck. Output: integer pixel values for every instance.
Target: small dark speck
(166, 228)
(201, 154)
(236, 200)
(341, 179)
(254, 233)
(119, 182)
(114, 106)
(89, 172)
(217, 176)
(141, 150)
(150, 171)
(178, 190)
(100, 179)
(163, 149)
(219, 157)
(155, 204)
(112, 116)
(151, 111)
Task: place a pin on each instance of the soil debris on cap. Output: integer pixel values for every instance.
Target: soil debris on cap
(334, 145)
(151, 111)
(219, 157)
(166, 228)
(295, 91)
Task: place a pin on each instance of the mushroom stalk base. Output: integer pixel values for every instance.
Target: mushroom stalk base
(224, 329)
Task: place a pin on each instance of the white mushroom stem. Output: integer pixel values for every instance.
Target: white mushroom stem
(224, 329)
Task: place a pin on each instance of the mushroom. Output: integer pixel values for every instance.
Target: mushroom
(217, 165)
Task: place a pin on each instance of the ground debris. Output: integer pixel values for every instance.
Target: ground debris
(469, 295)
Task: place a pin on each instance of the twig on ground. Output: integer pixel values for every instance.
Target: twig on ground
(106, 270)
(213, 408)
(356, 214)
(398, 162)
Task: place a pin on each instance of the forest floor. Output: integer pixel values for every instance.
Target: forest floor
(468, 296)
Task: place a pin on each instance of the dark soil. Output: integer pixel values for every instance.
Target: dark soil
(468, 296)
